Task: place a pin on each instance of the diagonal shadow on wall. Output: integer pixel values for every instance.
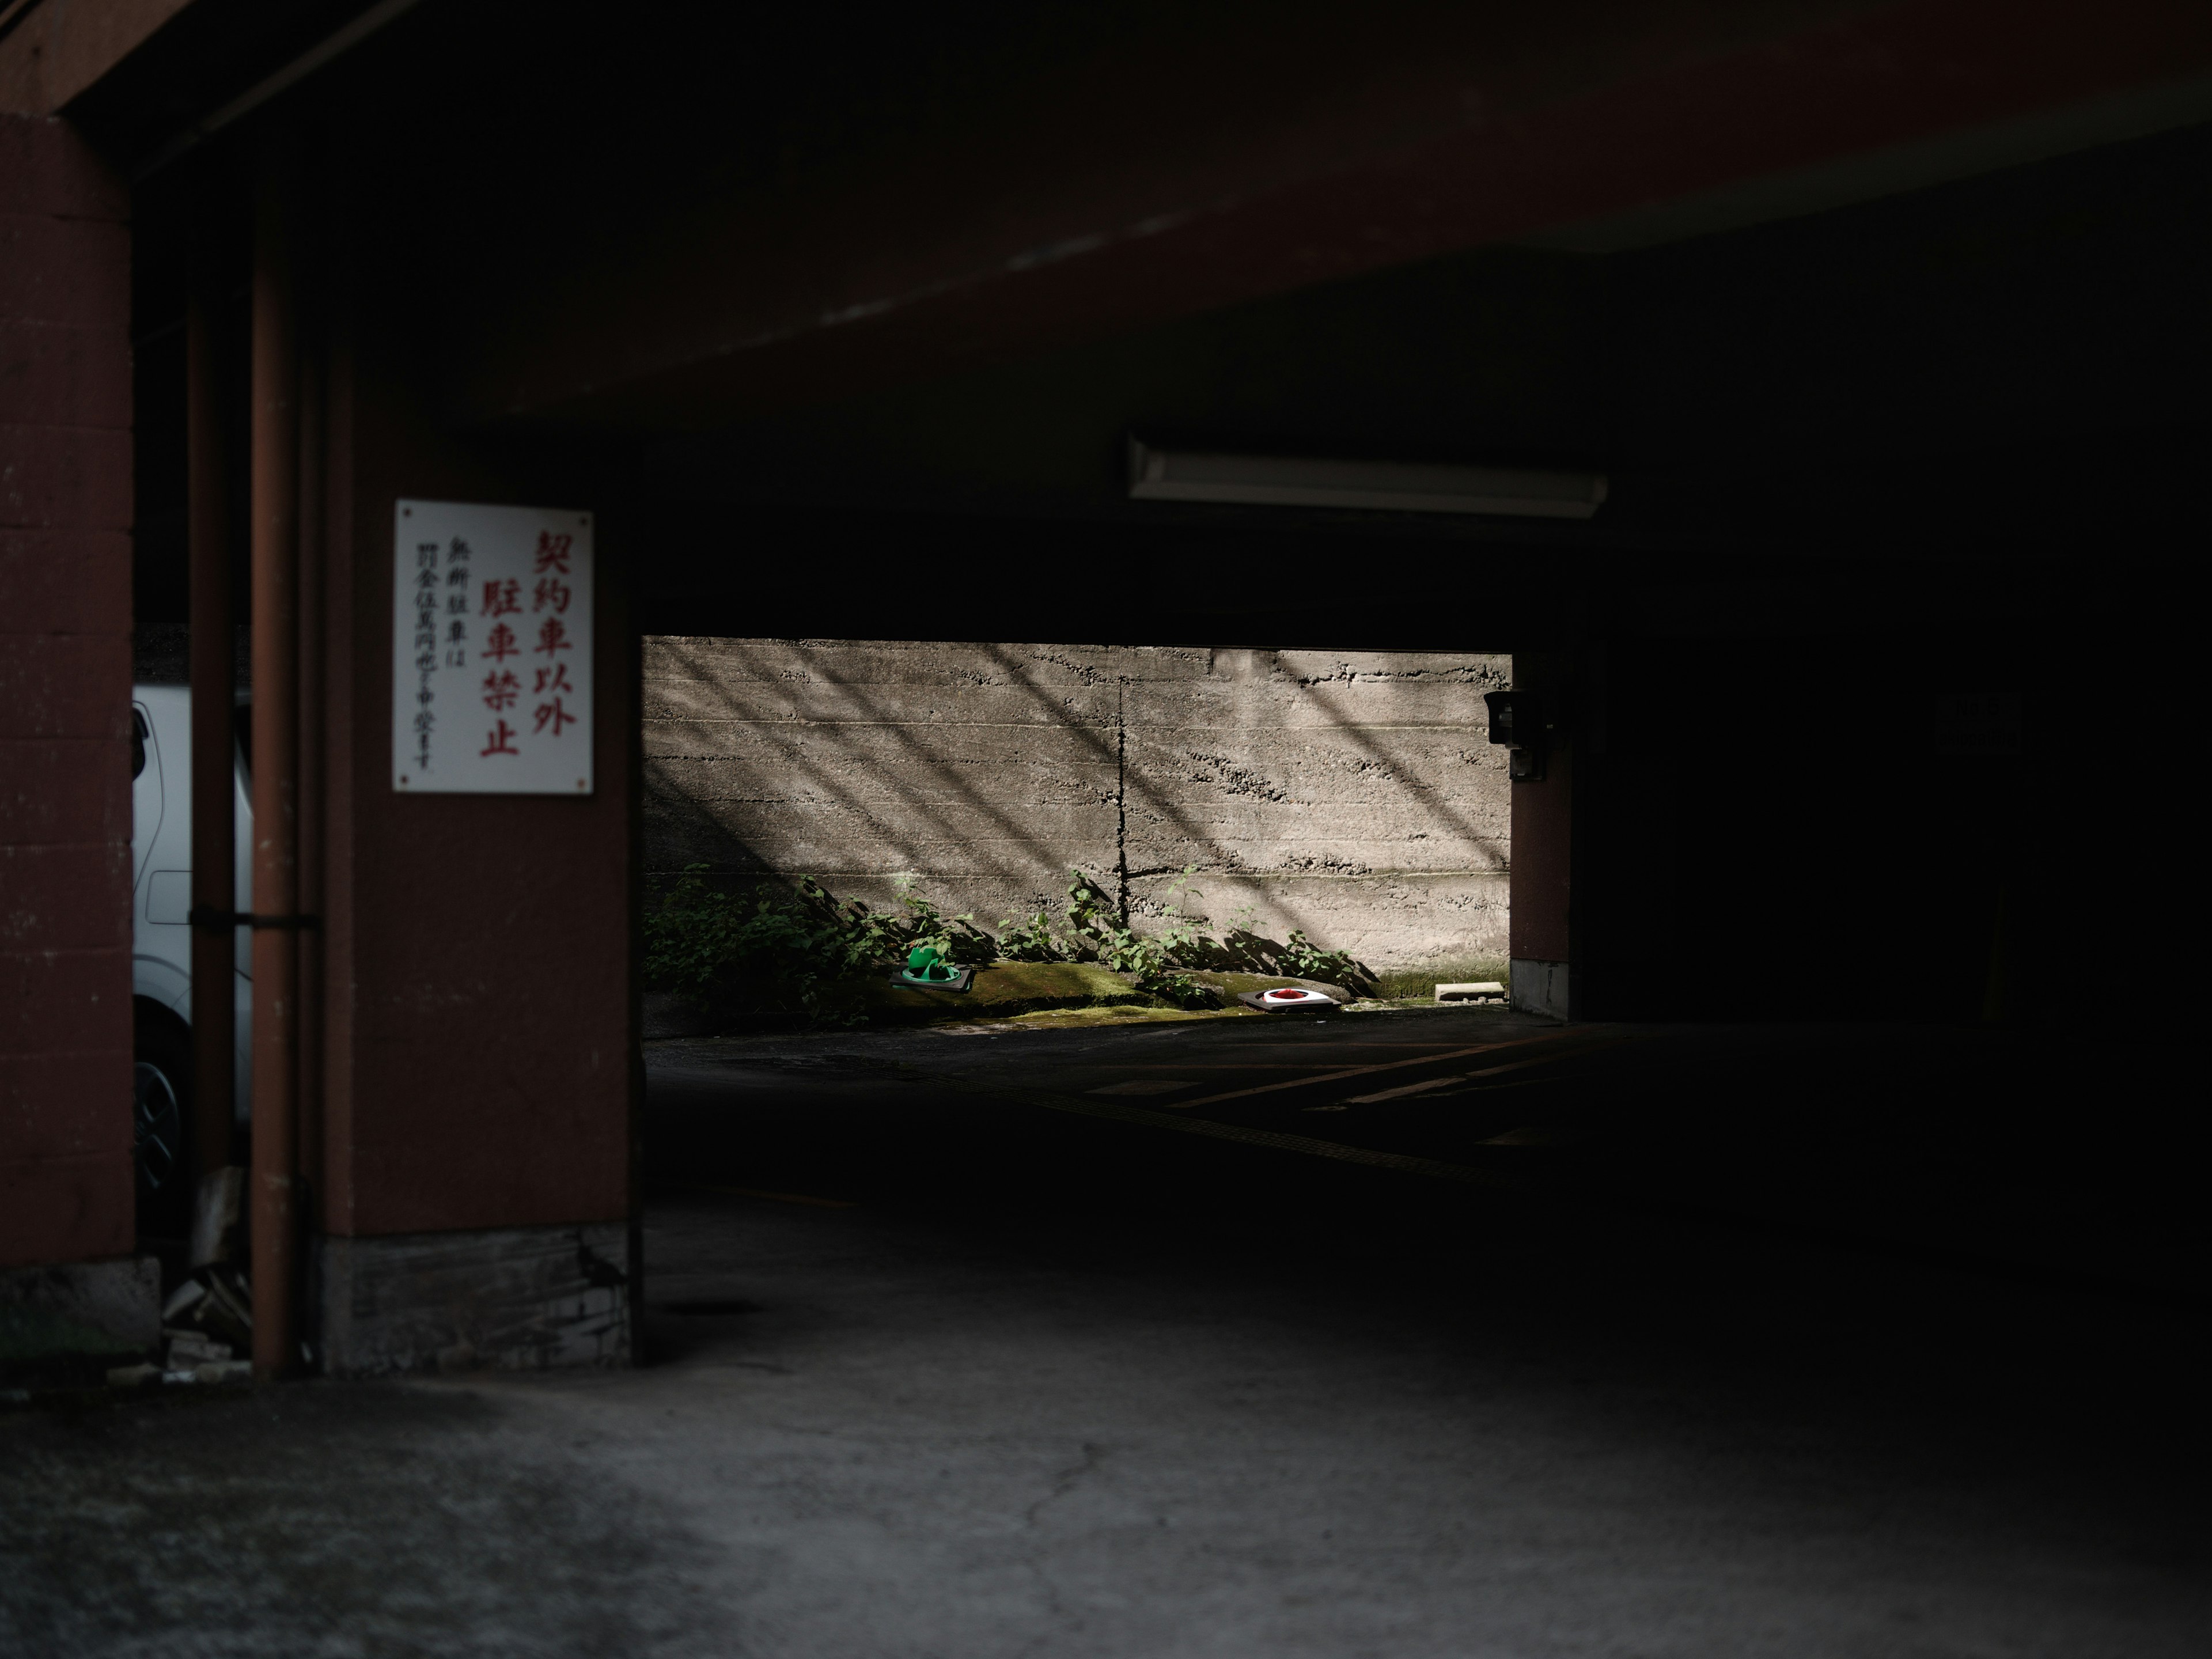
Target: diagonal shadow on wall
(911, 800)
(910, 779)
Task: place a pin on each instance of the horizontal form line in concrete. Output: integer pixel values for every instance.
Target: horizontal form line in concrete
(1053, 876)
(1471, 727)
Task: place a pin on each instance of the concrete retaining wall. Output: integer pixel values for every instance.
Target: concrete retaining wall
(1353, 794)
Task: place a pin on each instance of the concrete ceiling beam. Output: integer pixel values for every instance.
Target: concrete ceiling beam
(1168, 176)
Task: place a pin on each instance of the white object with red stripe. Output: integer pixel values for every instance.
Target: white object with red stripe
(1286, 996)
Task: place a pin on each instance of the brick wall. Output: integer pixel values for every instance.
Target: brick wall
(65, 503)
(1353, 794)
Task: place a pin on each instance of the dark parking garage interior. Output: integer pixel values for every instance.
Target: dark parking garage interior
(1690, 536)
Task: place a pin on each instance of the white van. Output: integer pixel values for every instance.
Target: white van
(161, 951)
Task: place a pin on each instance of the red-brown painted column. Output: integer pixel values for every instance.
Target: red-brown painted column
(65, 513)
(275, 495)
(478, 1040)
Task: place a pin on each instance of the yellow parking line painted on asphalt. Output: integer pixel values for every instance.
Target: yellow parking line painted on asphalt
(1363, 1071)
(1465, 1077)
(1269, 1138)
(780, 1198)
(1531, 1135)
(1422, 1087)
(1332, 1044)
(1259, 1065)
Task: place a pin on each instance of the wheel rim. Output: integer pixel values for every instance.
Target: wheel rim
(157, 1126)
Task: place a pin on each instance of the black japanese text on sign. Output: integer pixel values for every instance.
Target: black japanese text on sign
(492, 636)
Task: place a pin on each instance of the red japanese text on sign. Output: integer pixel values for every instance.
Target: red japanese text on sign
(479, 589)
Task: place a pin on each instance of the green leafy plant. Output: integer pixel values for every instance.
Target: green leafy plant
(956, 937)
(1032, 939)
(1178, 990)
(801, 951)
(1179, 934)
(793, 951)
(789, 948)
(1307, 960)
(691, 931)
(1154, 959)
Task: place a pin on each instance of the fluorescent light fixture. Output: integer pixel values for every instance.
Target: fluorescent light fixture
(1159, 475)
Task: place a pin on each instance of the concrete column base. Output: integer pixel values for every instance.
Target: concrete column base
(511, 1299)
(78, 1309)
(1542, 987)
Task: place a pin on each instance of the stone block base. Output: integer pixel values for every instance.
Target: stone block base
(1542, 987)
(77, 1314)
(515, 1298)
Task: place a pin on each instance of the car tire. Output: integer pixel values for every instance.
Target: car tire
(161, 1123)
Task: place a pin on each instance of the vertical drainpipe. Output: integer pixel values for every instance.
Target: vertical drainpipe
(311, 831)
(215, 943)
(276, 526)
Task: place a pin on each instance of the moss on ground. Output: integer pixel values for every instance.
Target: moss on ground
(1041, 995)
(1062, 1019)
(1421, 982)
(1005, 989)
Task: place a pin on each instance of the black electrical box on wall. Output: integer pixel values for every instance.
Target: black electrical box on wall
(1516, 722)
(1511, 712)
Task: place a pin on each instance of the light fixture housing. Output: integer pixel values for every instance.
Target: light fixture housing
(1160, 475)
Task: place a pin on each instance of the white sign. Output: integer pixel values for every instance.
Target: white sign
(491, 650)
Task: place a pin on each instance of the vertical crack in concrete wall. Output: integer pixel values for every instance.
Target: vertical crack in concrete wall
(1121, 795)
(1353, 794)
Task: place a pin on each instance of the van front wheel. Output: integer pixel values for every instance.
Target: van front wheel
(161, 1124)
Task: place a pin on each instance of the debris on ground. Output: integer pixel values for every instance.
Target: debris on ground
(214, 1302)
(207, 1319)
(188, 1348)
(1488, 990)
(206, 1374)
(207, 1326)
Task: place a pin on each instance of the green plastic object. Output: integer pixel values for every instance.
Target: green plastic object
(929, 967)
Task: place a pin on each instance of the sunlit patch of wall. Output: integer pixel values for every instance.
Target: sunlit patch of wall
(1352, 795)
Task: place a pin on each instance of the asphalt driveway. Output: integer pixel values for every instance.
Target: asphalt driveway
(983, 1345)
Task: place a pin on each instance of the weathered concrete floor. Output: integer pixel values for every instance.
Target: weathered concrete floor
(1055, 1385)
